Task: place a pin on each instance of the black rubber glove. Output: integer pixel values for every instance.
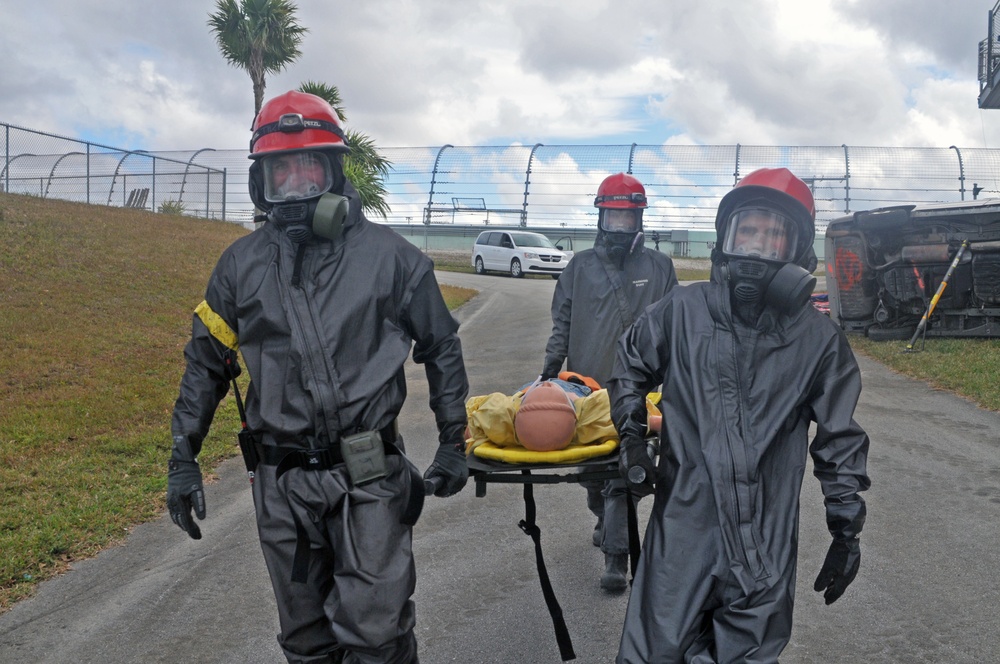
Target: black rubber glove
(634, 462)
(184, 492)
(839, 568)
(449, 471)
(636, 466)
(551, 370)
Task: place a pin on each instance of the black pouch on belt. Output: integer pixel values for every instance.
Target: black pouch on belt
(364, 456)
(248, 448)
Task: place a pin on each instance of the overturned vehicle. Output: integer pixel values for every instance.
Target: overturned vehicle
(884, 267)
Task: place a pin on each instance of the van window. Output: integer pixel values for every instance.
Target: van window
(533, 240)
(484, 238)
(506, 241)
(495, 239)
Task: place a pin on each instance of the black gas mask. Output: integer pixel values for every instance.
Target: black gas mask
(622, 232)
(298, 190)
(759, 248)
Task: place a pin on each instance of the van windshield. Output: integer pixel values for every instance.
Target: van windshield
(531, 240)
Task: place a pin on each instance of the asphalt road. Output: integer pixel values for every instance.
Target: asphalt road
(928, 590)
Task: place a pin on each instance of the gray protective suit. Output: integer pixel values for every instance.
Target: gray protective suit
(586, 322)
(326, 359)
(716, 577)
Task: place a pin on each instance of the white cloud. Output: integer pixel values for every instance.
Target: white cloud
(875, 72)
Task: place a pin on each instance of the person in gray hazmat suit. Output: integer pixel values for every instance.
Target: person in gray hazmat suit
(325, 307)
(597, 297)
(746, 363)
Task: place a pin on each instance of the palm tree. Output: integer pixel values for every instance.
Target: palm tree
(367, 170)
(328, 92)
(364, 166)
(260, 36)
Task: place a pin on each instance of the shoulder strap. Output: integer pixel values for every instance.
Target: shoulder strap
(619, 288)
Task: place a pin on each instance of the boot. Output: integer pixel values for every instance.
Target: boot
(598, 531)
(615, 569)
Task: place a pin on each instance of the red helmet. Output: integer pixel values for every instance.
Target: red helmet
(296, 121)
(776, 187)
(620, 191)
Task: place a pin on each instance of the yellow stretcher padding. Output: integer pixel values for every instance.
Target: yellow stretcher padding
(571, 454)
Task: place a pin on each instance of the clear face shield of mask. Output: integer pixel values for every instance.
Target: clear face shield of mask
(622, 228)
(621, 220)
(761, 233)
(761, 245)
(299, 184)
(296, 176)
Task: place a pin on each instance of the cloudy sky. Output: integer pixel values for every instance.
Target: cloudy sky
(147, 74)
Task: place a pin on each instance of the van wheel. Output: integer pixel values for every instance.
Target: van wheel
(480, 268)
(515, 269)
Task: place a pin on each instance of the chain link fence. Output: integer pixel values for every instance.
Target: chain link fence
(49, 166)
(535, 186)
(554, 186)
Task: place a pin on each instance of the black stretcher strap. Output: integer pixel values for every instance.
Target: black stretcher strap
(485, 471)
(634, 545)
(531, 529)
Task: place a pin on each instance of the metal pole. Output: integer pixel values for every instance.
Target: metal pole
(961, 172)
(847, 179)
(527, 181)
(430, 197)
(937, 296)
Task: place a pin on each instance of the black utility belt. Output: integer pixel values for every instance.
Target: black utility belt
(286, 458)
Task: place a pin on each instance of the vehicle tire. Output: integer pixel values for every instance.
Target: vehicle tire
(904, 333)
(480, 268)
(515, 269)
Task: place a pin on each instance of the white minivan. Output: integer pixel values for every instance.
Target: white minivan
(518, 253)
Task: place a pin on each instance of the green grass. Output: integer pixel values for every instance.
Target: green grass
(95, 310)
(967, 367)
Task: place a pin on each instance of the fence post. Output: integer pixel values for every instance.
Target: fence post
(631, 154)
(187, 169)
(527, 181)
(961, 172)
(225, 183)
(430, 197)
(847, 180)
(88, 173)
(6, 154)
(736, 173)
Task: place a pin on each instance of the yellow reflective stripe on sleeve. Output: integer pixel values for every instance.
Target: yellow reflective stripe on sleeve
(219, 328)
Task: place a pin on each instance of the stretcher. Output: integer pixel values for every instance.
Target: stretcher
(488, 471)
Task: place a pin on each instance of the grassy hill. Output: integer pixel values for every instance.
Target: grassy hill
(95, 310)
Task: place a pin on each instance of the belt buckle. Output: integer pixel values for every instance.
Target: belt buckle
(314, 458)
